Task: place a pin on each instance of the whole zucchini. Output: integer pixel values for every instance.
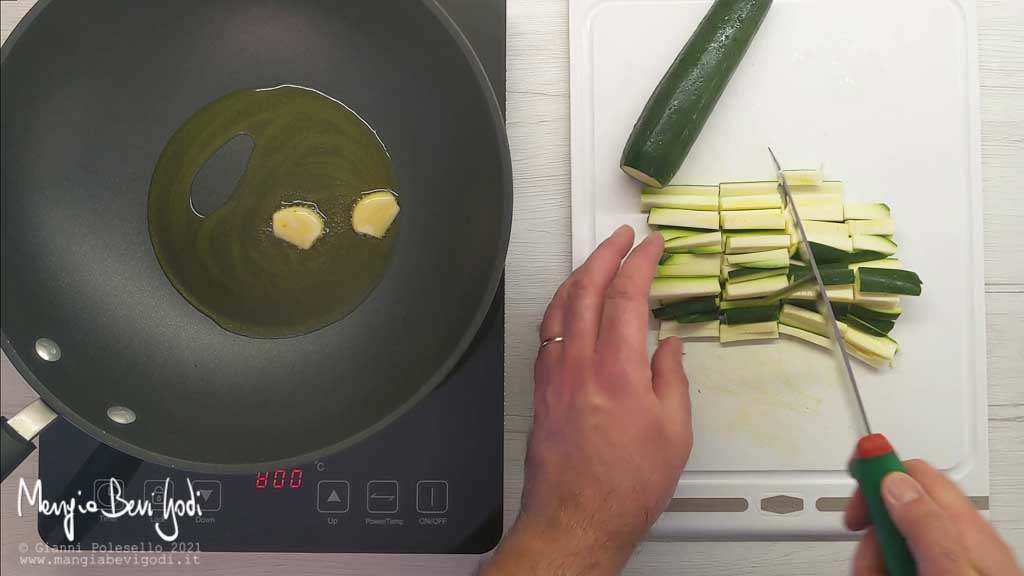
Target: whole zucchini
(686, 95)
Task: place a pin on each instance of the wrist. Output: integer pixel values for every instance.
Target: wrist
(544, 546)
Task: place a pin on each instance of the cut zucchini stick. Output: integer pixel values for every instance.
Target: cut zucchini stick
(683, 190)
(805, 335)
(741, 332)
(764, 188)
(844, 293)
(826, 187)
(694, 305)
(760, 201)
(769, 219)
(879, 244)
(826, 254)
(706, 220)
(835, 241)
(778, 258)
(684, 202)
(803, 177)
(865, 210)
(672, 289)
(755, 288)
(878, 346)
(881, 302)
(829, 276)
(881, 226)
(691, 265)
(695, 317)
(874, 327)
(691, 242)
(716, 249)
(670, 233)
(816, 228)
(808, 320)
(821, 211)
(869, 313)
(745, 244)
(751, 314)
(887, 281)
(746, 274)
(688, 331)
(890, 263)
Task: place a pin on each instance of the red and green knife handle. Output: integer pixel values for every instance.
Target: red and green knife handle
(873, 460)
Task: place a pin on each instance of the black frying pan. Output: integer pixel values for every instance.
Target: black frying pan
(91, 92)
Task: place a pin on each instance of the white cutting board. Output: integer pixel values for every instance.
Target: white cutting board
(885, 94)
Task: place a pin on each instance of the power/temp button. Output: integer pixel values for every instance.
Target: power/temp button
(432, 496)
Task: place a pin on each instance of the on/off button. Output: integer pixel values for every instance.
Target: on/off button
(432, 496)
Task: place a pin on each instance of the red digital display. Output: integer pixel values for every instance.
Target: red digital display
(279, 479)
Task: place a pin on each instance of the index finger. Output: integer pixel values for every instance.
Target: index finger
(624, 320)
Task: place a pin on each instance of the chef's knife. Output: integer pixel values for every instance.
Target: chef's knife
(874, 457)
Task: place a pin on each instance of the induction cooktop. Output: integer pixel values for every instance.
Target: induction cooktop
(431, 482)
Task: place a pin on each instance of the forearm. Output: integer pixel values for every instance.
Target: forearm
(529, 549)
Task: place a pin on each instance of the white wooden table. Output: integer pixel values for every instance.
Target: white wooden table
(538, 126)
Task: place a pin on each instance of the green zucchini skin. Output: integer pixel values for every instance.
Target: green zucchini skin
(886, 281)
(683, 100)
(692, 306)
(829, 276)
(751, 315)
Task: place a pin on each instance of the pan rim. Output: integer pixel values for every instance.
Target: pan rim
(486, 90)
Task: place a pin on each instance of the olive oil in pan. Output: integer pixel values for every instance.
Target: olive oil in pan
(309, 150)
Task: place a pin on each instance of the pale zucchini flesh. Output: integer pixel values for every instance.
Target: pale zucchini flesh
(834, 187)
(804, 177)
(881, 346)
(681, 201)
(690, 265)
(865, 210)
(762, 188)
(779, 255)
(880, 302)
(670, 289)
(683, 190)
(754, 288)
(807, 320)
(760, 201)
(747, 244)
(877, 227)
(890, 263)
(831, 212)
(816, 228)
(805, 335)
(879, 244)
(768, 219)
(707, 220)
(691, 242)
(840, 293)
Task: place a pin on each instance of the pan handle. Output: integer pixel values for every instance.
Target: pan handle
(17, 434)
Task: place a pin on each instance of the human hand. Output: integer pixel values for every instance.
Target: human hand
(946, 535)
(611, 430)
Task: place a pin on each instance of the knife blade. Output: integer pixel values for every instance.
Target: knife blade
(874, 457)
(823, 299)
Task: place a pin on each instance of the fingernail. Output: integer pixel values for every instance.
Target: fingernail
(898, 488)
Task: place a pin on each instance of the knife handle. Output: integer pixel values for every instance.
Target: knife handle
(873, 460)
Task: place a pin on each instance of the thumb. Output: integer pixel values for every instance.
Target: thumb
(934, 541)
